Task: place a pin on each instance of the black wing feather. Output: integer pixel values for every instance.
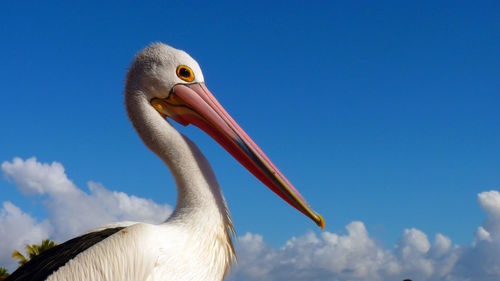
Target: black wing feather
(42, 266)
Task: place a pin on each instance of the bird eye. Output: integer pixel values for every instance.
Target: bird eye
(185, 73)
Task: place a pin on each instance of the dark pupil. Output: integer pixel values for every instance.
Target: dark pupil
(184, 72)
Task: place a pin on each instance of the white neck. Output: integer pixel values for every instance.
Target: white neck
(200, 200)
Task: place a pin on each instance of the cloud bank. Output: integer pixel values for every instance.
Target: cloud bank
(325, 257)
(71, 210)
(356, 255)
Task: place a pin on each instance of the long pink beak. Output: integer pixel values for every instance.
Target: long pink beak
(194, 104)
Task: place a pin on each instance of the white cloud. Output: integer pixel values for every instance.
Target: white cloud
(32, 177)
(356, 255)
(325, 256)
(18, 229)
(482, 260)
(490, 202)
(71, 210)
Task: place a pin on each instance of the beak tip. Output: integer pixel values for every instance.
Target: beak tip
(320, 222)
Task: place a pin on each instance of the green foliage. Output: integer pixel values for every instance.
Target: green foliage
(33, 250)
(17, 255)
(3, 273)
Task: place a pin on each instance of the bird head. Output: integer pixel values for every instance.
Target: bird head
(174, 86)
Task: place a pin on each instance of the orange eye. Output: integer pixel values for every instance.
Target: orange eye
(185, 73)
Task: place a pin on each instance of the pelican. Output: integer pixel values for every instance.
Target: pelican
(195, 242)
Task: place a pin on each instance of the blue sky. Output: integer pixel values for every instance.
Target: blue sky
(382, 112)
